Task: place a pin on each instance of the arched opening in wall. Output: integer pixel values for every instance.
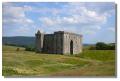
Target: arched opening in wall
(71, 47)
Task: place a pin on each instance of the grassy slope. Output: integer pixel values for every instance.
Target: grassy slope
(89, 63)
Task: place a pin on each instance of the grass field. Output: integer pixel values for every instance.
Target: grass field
(90, 63)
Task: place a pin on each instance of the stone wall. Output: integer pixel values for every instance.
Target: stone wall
(76, 43)
(48, 43)
(39, 41)
(60, 43)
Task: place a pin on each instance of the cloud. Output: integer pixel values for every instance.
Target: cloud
(42, 10)
(83, 18)
(76, 16)
(23, 29)
(111, 29)
(47, 21)
(14, 18)
(27, 8)
(15, 15)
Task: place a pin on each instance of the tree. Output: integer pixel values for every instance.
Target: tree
(92, 48)
(101, 46)
(29, 48)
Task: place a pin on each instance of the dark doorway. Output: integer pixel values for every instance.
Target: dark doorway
(71, 47)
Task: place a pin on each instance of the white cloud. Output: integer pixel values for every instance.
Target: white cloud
(15, 20)
(15, 15)
(22, 29)
(43, 10)
(88, 15)
(47, 21)
(112, 29)
(27, 8)
(78, 15)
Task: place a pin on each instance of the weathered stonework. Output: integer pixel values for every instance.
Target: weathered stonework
(59, 43)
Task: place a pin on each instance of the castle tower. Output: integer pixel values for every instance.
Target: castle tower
(39, 41)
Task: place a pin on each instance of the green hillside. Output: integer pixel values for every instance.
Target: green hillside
(19, 40)
(89, 63)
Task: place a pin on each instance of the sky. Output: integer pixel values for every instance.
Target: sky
(95, 21)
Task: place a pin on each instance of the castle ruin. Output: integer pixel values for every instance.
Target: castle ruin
(60, 42)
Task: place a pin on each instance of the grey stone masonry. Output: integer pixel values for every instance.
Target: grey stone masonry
(60, 42)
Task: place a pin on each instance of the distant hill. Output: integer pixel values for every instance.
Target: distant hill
(22, 41)
(88, 44)
(19, 40)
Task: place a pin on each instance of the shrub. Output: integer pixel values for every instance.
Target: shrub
(29, 48)
(101, 46)
(17, 49)
(92, 48)
(104, 46)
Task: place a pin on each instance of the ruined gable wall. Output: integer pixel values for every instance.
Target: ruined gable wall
(77, 43)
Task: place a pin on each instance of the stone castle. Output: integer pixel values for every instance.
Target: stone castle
(60, 42)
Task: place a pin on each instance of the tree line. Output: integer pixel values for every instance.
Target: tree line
(103, 46)
(97, 46)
